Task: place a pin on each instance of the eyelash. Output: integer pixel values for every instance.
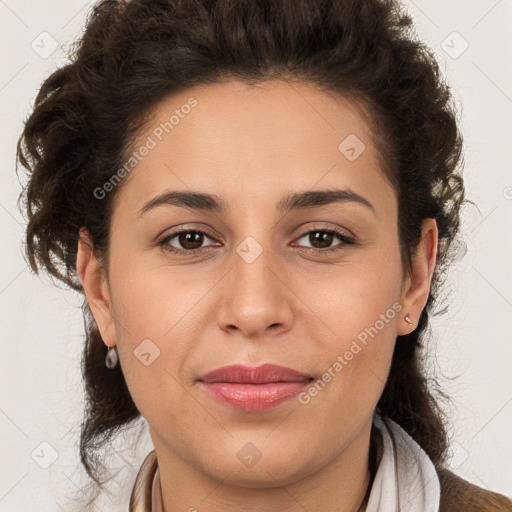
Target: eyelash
(346, 240)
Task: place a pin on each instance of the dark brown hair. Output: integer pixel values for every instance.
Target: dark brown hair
(135, 54)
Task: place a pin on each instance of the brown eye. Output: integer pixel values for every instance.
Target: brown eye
(187, 240)
(322, 239)
(190, 239)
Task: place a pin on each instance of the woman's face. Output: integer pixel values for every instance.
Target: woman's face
(261, 286)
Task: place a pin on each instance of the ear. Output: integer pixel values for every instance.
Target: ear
(95, 285)
(416, 286)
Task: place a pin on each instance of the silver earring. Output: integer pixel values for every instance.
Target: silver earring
(407, 318)
(111, 359)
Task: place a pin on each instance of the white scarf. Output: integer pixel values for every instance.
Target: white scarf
(407, 482)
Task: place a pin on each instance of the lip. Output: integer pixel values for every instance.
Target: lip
(263, 374)
(254, 389)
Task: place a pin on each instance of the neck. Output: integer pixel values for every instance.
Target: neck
(341, 485)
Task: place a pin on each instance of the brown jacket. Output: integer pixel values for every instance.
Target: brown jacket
(457, 495)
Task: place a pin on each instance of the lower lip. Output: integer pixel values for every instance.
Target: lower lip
(254, 397)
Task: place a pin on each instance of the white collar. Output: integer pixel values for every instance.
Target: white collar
(406, 479)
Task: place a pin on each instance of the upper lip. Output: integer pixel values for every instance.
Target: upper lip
(254, 375)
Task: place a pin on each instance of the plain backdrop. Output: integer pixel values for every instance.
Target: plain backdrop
(41, 394)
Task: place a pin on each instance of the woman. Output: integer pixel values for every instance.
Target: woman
(257, 200)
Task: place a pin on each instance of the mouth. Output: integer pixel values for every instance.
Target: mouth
(254, 389)
(265, 374)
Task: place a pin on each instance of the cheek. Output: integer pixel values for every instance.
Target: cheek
(360, 307)
(355, 294)
(156, 315)
(360, 343)
(355, 361)
(153, 300)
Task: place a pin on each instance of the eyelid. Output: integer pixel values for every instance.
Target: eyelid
(341, 231)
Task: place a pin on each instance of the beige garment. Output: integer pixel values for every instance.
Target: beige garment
(146, 495)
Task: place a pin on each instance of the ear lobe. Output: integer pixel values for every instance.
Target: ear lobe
(417, 285)
(95, 285)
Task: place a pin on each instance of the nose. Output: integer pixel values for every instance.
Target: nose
(255, 298)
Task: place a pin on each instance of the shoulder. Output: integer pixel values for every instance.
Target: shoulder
(458, 494)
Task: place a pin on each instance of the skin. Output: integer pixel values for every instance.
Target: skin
(295, 305)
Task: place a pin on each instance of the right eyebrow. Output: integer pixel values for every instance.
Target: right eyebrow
(194, 200)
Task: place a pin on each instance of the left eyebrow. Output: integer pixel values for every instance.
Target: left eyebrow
(296, 201)
(312, 198)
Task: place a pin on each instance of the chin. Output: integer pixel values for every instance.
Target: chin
(269, 471)
(263, 478)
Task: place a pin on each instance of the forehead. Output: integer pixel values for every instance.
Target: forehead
(255, 140)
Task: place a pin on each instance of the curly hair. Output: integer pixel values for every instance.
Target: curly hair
(135, 54)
